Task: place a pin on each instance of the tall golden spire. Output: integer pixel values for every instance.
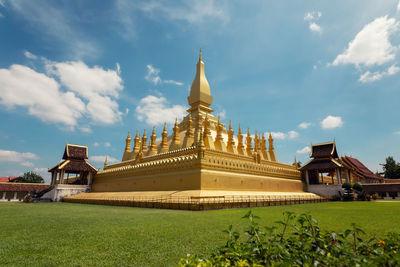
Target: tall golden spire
(271, 149)
(136, 146)
(271, 142)
(164, 142)
(144, 141)
(230, 147)
(128, 143)
(248, 144)
(200, 93)
(219, 141)
(207, 138)
(127, 152)
(189, 136)
(105, 163)
(176, 141)
(152, 146)
(240, 146)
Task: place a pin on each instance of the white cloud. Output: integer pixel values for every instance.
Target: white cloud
(98, 86)
(22, 86)
(311, 18)
(398, 132)
(86, 129)
(282, 136)
(96, 144)
(331, 122)
(315, 67)
(27, 164)
(278, 135)
(173, 82)
(107, 144)
(371, 46)
(30, 55)
(375, 76)
(315, 27)
(304, 125)
(152, 75)
(118, 69)
(21, 158)
(398, 6)
(193, 12)
(101, 159)
(2, 3)
(304, 150)
(293, 134)
(155, 110)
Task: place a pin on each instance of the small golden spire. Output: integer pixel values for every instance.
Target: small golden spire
(164, 144)
(105, 162)
(128, 143)
(271, 142)
(144, 141)
(176, 142)
(295, 162)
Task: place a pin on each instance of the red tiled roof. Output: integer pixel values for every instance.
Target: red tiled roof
(359, 167)
(7, 179)
(22, 187)
(75, 152)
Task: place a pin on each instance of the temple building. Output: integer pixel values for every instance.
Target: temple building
(201, 160)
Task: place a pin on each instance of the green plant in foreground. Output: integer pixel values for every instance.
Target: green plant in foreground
(300, 242)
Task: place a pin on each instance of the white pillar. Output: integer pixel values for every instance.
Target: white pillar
(307, 178)
(15, 196)
(4, 195)
(338, 176)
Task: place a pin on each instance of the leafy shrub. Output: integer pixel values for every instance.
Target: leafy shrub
(348, 194)
(300, 242)
(357, 187)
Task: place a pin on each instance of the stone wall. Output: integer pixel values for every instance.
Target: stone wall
(65, 190)
(326, 190)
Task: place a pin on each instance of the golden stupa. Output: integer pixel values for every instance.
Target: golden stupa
(198, 166)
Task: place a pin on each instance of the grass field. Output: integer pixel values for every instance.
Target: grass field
(63, 234)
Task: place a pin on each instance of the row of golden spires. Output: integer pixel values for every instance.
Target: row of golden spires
(192, 136)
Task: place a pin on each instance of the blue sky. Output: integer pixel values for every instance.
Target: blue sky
(86, 72)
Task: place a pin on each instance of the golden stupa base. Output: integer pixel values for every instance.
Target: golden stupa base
(195, 199)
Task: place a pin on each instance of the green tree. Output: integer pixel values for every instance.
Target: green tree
(391, 169)
(31, 177)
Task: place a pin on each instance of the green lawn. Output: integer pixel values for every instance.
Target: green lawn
(64, 234)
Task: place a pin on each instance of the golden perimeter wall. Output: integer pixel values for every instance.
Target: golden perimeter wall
(197, 168)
